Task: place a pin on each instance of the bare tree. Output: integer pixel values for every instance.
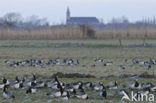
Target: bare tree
(35, 21)
(11, 19)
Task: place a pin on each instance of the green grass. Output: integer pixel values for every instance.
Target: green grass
(84, 50)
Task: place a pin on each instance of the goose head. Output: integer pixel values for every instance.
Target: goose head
(136, 83)
(17, 79)
(34, 77)
(116, 83)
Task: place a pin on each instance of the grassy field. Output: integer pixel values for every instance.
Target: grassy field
(84, 50)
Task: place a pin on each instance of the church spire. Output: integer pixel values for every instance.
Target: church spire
(67, 14)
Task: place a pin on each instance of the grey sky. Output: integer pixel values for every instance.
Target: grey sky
(55, 10)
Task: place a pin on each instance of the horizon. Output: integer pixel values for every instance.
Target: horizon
(55, 11)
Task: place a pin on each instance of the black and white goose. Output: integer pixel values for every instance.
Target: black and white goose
(76, 85)
(55, 94)
(135, 85)
(147, 85)
(16, 84)
(32, 89)
(142, 92)
(48, 83)
(121, 67)
(29, 83)
(7, 94)
(69, 88)
(87, 85)
(98, 60)
(40, 84)
(108, 63)
(56, 84)
(81, 94)
(103, 93)
(65, 96)
(4, 82)
(98, 86)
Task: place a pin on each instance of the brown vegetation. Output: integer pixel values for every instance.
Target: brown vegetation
(78, 32)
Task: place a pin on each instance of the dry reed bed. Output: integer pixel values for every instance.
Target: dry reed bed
(64, 32)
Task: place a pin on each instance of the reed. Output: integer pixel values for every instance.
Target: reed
(71, 32)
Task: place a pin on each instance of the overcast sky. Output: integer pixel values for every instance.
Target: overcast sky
(55, 10)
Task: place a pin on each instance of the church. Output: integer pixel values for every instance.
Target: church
(93, 21)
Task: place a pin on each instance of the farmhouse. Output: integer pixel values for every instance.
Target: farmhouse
(93, 21)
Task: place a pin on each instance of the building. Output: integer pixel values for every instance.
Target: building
(93, 21)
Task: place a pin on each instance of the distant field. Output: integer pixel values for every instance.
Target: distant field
(84, 50)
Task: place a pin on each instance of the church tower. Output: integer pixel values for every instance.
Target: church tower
(67, 14)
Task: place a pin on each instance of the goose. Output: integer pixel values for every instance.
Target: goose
(147, 85)
(122, 67)
(142, 92)
(5, 81)
(16, 84)
(80, 94)
(135, 85)
(98, 60)
(7, 61)
(49, 83)
(65, 97)
(56, 84)
(49, 62)
(55, 94)
(151, 61)
(135, 61)
(64, 61)
(98, 86)
(29, 83)
(108, 63)
(103, 93)
(113, 86)
(148, 66)
(141, 62)
(53, 84)
(7, 94)
(77, 62)
(69, 88)
(76, 85)
(56, 61)
(40, 84)
(87, 85)
(32, 89)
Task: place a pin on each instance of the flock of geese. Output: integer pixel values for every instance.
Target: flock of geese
(77, 89)
(41, 62)
(62, 90)
(71, 62)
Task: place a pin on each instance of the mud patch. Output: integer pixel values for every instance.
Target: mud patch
(72, 75)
